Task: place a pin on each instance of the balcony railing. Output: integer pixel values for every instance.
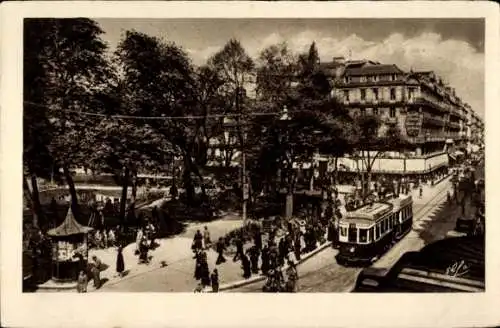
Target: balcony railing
(433, 120)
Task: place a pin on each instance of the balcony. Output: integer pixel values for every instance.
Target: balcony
(429, 101)
(453, 125)
(433, 120)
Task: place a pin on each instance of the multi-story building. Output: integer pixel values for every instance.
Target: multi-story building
(428, 112)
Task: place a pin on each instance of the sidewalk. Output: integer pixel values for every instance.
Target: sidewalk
(176, 252)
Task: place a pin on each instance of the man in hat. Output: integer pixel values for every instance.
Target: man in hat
(221, 246)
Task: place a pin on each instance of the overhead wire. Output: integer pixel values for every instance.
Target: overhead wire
(118, 116)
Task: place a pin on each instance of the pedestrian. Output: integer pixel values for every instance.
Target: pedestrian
(254, 258)
(214, 279)
(111, 238)
(420, 191)
(199, 288)
(258, 239)
(292, 277)
(245, 264)
(120, 263)
(197, 241)
(81, 286)
(204, 273)
(297, 245)
(265, 260)
(143, 251)
(105, 238)
(138, 240)
(197, 266)
(281, 251)
(96, 272)
(206, 238)
(221, 246)
(239, 248)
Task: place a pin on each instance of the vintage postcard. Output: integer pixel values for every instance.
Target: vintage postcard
(179, 163)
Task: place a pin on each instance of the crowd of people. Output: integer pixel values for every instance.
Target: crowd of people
(273, 254)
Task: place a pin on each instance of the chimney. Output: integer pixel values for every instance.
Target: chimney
(339, 60)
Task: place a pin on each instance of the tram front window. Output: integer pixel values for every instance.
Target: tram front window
(353, 235)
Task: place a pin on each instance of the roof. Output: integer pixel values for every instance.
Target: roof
(370, 212)
(372, 70)
(400, 201)
(69, 227)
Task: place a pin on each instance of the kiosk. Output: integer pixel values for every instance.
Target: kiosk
(69, 249)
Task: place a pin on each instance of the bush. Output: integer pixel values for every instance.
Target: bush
(247, 232)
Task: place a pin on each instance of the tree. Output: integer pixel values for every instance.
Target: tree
(373, 139)
(234, 69)
(125, 146)
(64, 65)
(316, 120)
(160, 81)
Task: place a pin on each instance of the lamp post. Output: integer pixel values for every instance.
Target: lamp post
(289, 197)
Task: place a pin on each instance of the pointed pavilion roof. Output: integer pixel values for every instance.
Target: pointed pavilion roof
(69, 227)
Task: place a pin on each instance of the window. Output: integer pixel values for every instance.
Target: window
(363, 235)
(375, 78)
(393, 94)
(391, 220)
(393, 77)
(377, 231)
(392, 112)
(375, 94)
(347, 79)
(370, 234)
(375, 111)
(363, 94)
(343, 231)
(353, 235)
(346, 95)
(411, 93)
(362, 111)
(362, 78)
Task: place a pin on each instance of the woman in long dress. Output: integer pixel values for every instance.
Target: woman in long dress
(120, 263)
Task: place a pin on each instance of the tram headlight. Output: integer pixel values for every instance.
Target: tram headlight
(351, 249)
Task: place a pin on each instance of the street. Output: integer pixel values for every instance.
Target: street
(432, 221)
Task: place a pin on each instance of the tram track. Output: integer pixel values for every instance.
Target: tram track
(336, 278)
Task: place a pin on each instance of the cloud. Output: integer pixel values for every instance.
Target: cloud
(456, 61)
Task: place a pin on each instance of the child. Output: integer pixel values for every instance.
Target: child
(81, 286)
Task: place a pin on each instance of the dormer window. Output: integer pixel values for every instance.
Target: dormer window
(393, 77)
(347, 79)
(362, 78)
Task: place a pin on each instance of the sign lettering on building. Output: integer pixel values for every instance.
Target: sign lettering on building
(413, 124)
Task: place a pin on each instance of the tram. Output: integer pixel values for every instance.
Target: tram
(368, 232)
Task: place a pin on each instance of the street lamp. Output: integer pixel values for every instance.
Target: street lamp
(289, 197)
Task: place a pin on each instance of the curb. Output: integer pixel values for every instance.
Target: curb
(261, 277)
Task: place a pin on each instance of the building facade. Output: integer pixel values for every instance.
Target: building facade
(428, 112)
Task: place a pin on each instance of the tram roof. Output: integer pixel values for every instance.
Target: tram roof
(370, 212)
(400, 201)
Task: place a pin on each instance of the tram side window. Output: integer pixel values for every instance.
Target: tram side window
(343, 231)
(370, 234)
(391, 220)
(363, 235)
(377, 231)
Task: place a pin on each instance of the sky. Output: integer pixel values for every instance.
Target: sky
(453, 48)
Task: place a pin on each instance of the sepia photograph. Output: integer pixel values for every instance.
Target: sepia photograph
(252, 155)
